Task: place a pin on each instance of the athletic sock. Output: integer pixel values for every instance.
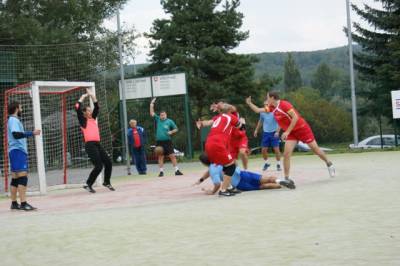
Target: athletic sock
(161, 169)
(278, 180)
(176, 168)
(278, 162)
(329, 164)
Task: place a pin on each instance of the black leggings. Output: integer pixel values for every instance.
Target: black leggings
(99, 157)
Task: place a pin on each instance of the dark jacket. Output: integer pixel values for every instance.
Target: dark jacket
(142, 136)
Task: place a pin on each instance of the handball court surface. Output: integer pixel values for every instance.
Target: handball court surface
(352, 219)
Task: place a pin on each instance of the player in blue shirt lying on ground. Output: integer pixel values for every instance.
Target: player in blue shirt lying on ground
(241, 180)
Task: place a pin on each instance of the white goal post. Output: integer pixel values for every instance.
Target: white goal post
(56, 157)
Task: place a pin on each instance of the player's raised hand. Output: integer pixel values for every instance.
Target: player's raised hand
(89, 92)
(248, 100)
(255, 134)
(36, 132)
(199, 123)
(153, 100)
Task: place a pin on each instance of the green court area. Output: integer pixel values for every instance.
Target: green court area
(353, 219)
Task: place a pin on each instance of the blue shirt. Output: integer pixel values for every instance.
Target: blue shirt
(14, 125)
(269, 122)
(217, 175)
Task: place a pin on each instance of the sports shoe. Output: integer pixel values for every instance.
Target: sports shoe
(278, 167)
(289, 183)
(89, 189)
(234, 190)
(177, 172)
(331, 170)
(27, 207)
(15, 206)
(266, 165)
(226, 193)
(161, 174)
(109, 186)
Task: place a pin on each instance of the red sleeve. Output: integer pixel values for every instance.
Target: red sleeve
(234, 120)
(285, 106)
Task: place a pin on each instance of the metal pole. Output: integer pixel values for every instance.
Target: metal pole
(124, 113)
(353, 86)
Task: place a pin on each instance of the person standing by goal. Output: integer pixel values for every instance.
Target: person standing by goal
(18, 154)
(93, 148)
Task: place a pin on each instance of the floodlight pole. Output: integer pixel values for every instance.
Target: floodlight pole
(124, 113)
(353, 86)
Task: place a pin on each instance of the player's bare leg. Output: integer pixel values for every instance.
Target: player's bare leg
(244, 157)
(161, 165)
(278, 158)
(289, 147)
(321, 154)
(174, 162)
(264, 151)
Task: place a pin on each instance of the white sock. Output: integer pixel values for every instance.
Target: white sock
(278, 162)
(176, 168)
(278, 180)
(265, 160)
(161, 169)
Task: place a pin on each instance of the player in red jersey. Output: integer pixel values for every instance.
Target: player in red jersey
(295, 129)
(239, 144)
(217, 143)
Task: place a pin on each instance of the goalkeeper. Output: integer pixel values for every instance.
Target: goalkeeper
(91, 135)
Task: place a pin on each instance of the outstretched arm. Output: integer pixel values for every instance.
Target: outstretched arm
(254, 107)
(152, 113)
(204, 123)
(257, 128)
(95, 103)
(79, 112)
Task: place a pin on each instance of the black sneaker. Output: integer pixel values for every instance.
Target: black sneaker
(109, 186)
(289, 183)
(161, 174)
(177, 172)
(27, 207)
(15, 206)
(234, 190)
(226, 193)
(89, 189)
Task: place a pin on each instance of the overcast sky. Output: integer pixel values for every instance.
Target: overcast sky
(274, 25)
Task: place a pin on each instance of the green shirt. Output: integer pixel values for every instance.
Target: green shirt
(163, 126)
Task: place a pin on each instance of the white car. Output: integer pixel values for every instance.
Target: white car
(374, 142)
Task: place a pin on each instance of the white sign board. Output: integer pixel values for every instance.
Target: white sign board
(396, 104)
(136, 88)
(165, 85)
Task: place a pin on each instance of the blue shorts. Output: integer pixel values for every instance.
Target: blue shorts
(18, 161)
(269, 140)
(249, 181)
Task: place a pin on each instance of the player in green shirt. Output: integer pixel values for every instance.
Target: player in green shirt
(165, 129)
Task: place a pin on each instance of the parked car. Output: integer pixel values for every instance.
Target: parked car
(374, 142)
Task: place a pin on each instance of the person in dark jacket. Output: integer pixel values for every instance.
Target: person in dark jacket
(137, 141)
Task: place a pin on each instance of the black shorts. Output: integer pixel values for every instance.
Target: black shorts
(167, 146)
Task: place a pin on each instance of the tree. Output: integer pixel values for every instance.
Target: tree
(197, 39)
(291, 77)
(379, 60)
(324, 80)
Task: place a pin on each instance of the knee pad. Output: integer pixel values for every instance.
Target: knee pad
(229, 170)
(14, 182)
(23, 181)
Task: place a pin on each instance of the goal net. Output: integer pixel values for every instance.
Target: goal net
(57, 157)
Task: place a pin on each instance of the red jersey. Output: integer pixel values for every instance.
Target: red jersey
(283, 118)
(222, 126)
